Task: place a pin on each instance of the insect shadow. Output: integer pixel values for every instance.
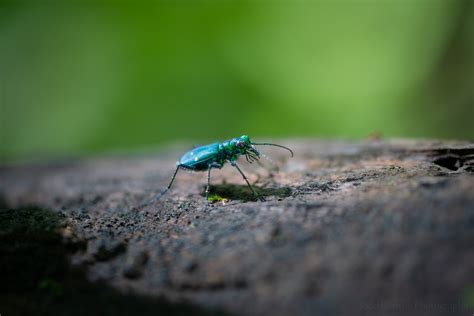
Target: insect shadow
(242, 192)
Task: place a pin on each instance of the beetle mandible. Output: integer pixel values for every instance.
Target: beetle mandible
(205, 158)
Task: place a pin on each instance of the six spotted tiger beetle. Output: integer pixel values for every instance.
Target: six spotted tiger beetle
(205, 158)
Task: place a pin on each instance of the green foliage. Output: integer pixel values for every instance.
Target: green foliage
(82, 77)
(213, 198)
(469, 297)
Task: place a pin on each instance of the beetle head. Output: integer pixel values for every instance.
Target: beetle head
(243, 145)
(243, 142)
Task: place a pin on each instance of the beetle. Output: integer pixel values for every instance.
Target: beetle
(214, 156)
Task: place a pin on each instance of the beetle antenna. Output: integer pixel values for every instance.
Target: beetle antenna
(276, 145)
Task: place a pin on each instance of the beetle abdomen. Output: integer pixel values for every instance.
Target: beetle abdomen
(199, 158)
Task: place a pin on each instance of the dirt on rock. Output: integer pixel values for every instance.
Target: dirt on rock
(360, 228)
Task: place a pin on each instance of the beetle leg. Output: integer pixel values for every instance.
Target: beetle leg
(211, 165)
(261, 198)
(159, 195)
(208, 182)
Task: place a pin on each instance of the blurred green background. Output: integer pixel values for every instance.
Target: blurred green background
(83, 77)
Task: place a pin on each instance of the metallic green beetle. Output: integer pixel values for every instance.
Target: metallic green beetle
(205, 158)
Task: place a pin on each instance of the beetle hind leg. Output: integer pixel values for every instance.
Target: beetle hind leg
(159, 195)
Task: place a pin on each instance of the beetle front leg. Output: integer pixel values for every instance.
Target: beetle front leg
(261, 198)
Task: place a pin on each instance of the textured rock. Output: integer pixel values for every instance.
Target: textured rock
(375, 227)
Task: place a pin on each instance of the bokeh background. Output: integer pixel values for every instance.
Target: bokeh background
(85, 77)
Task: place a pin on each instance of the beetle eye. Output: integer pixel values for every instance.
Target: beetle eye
(240, 144)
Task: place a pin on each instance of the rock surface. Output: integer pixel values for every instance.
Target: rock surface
(360, 228)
